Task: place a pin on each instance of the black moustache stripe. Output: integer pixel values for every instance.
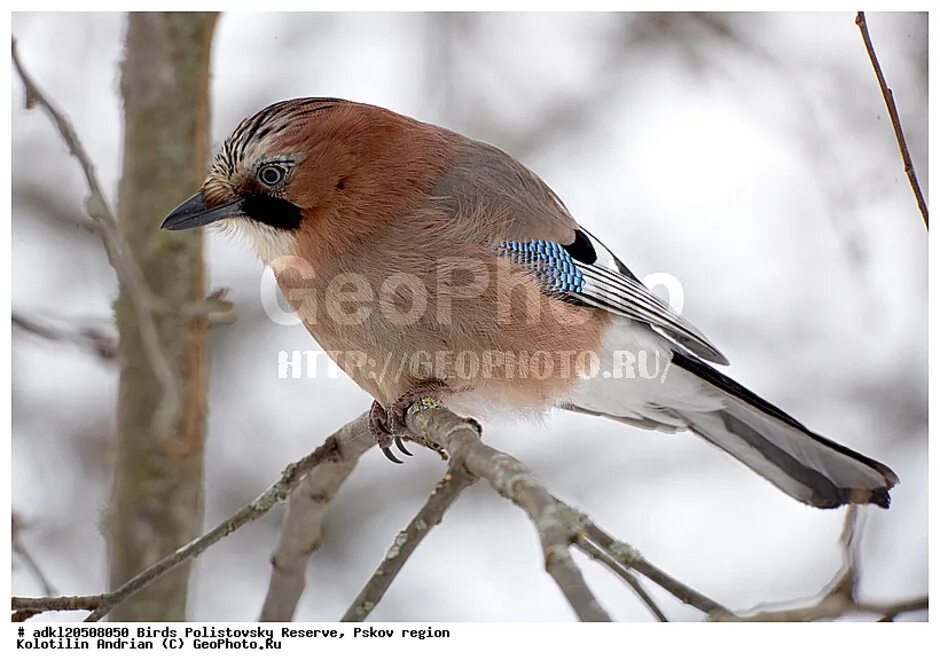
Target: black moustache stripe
(273, 211)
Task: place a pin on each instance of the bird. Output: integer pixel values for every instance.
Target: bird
(432, 267)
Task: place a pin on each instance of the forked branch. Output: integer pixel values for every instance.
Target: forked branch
(311, 482)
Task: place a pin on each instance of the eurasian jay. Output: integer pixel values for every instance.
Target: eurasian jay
(431, 265)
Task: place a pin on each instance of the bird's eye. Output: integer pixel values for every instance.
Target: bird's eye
(272, 175)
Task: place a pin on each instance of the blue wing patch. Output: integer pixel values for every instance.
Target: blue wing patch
(554, 267)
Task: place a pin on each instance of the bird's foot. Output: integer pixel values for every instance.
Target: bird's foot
(384, 436)
(389, 425)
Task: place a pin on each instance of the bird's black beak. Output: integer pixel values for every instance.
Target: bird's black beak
(194, 212)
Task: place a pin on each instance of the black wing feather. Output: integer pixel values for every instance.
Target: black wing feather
(619, 290)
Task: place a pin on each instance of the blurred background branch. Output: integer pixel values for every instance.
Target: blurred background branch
(102, 343)
(101, 220)
(895, 117)
(838, 598)
(19, 549)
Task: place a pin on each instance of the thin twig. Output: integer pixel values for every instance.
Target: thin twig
(832, 606)
(406, 542)
(301, 529)
(100, 343)
(834, 599)
(624, 574)
(119, 254)
(630, 557)
(888, 96)
(889, 611)
(18, 548)
(840, 596)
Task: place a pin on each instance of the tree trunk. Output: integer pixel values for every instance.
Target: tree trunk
(156, 501)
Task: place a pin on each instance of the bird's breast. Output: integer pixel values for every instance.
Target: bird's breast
(472, 321)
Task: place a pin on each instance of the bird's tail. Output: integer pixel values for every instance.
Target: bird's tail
(805, 465)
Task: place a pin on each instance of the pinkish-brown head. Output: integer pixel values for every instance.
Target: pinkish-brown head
(314, 167)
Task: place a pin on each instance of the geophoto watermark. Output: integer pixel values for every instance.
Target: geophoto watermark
(353, 298)
(474, 365)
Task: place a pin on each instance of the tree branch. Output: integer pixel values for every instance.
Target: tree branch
(311, 482)
(513, 480)
(301, 530)
(888, 96)
(406, 542)
(840, 596)
(629, 557)
(624, 573)
(558, 525)
(129, 274)
(833, 605)
(18, 548)
(25, 607)
(101, 343)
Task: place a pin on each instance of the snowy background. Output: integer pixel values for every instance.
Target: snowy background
(748, 155)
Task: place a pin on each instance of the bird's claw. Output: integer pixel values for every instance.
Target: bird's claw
(401, 447)
(378, 425)
(389, 455)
